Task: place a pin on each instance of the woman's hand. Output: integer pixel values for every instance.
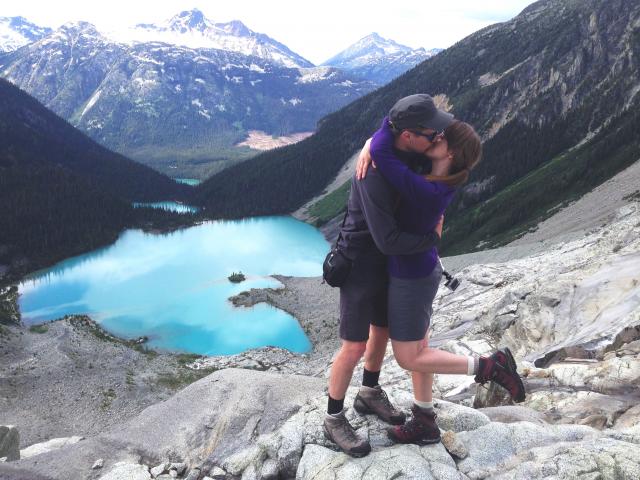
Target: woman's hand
(438, 228)
(364, 160)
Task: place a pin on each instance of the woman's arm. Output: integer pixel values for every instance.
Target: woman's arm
(364, 161)
(410, 185)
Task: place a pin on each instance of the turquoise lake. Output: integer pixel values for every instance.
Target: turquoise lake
(188, 181)
(173, 288)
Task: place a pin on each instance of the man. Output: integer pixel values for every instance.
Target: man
(369, 233)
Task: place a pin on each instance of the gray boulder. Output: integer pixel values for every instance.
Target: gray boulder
(400, 461)
(211, 422)
(496, 444)
(53, 444)
(514, 413)
(127, 471)
(458, 418)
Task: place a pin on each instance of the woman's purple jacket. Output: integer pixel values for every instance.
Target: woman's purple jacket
(422, 203)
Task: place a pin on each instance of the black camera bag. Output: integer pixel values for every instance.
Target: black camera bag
(336, 266)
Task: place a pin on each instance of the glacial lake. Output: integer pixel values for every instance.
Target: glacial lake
(188, 181)
(173, 288)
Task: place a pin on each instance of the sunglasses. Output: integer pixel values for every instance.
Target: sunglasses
(429, 136)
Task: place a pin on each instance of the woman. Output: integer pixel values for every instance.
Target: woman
(414, 279)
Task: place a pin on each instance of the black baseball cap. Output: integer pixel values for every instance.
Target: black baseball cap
(419, 111)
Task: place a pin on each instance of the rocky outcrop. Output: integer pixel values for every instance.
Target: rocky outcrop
(9, 312)
(9, 443)
(232, 419)
(255, 425)
(48, 446)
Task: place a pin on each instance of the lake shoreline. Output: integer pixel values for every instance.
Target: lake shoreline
(70, 377)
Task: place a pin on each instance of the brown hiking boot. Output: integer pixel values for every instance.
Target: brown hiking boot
(500, 368)
(338, 429)
(421, 429)
(375, 400)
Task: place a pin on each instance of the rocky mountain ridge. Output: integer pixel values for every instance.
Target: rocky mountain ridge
(16, 32)
(379, 59)
(191, 28)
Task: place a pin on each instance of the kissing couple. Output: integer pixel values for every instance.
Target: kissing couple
(406, 176)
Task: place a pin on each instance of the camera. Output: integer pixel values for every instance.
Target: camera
(452, 283)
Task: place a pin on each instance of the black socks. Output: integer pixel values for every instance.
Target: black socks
(370, 379)
(335, 406)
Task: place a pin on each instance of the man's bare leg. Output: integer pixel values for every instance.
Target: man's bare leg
(376, 348)
(344, 363)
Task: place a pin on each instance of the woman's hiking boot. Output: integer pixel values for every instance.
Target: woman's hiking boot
(500, 368)
(375, 400)
(420, 429)
(504, 357)
(338, 429)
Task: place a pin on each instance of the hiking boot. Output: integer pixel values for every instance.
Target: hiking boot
(375, 400)
(504, 357)
(492, 369)
(421, 429)
(338, 429)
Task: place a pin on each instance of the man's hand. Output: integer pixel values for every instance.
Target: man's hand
(364, 160)
(438, 228)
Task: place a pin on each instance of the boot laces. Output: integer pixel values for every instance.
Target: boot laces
(348, 430)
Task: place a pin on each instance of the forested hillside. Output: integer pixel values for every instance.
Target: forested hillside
(60, 192)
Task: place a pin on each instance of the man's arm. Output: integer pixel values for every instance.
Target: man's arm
(378, 202)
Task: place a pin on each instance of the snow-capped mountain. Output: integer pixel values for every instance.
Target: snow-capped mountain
(16, 32)
(192, 29)
(378, 59)
(157, 102)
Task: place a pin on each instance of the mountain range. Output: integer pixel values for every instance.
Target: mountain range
(378, 59)
(553, 93)
(192, 29)
(179, 109)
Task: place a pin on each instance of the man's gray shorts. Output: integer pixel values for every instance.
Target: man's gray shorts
(410, 305)
(363, 298)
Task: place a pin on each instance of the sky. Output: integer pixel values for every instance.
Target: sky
(316, 29)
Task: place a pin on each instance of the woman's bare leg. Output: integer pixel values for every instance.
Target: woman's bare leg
(416, 357)
(422, 383)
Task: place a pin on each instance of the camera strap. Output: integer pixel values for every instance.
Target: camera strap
(446, 274)
(344, 220)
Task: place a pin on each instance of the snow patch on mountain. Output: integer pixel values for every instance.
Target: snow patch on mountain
(378, 59)
(92, 101)
(16, 32)
(317, 74)
(192, 29)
